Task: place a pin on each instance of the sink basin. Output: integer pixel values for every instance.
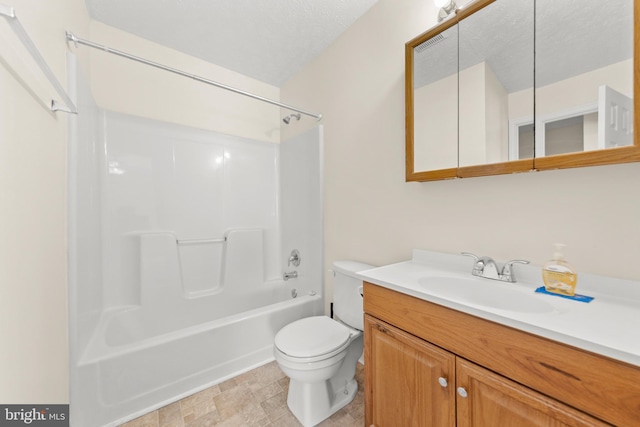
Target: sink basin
(485, 293)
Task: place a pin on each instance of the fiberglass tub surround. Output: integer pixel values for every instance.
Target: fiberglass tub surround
(179, 238)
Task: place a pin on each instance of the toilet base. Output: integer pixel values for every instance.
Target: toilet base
(319, 389)
(312, 403)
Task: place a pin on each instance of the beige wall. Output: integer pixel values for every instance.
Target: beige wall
(127, 86)
(372, 215)
(436, 125)
(33, 289)
(583, 88)
(497, 118)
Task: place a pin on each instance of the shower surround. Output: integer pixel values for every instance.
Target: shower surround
(178, 241)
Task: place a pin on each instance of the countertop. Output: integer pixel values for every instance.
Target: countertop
(609, 325)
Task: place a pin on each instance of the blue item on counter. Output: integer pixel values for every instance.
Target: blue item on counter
(576, 297)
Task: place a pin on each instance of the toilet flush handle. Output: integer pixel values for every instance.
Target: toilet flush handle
(361, 290)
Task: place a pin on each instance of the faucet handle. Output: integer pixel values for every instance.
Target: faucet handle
(294, 258)
(478, 263)
(507, 270)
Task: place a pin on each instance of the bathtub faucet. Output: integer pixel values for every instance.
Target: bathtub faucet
(290, 275)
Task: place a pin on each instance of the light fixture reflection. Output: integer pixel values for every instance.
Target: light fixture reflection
(446, 8)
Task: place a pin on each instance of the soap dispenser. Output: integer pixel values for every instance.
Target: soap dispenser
(558, 275)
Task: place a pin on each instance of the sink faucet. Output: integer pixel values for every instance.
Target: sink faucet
(487, 268)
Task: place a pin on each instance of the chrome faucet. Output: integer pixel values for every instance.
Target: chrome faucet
(487, 268)
(294, 258)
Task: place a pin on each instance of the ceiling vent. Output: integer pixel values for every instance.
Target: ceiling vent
(429, 43)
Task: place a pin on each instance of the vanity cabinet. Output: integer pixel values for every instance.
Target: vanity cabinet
(486, 399)
(403, 375)
(428, 365)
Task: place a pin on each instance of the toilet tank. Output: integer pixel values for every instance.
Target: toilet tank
(347, 300)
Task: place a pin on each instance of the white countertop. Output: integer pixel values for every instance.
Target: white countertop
(609, 325)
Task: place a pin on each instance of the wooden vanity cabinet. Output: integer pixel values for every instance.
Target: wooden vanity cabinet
(404, 373)
(490, 400)
(428, 365)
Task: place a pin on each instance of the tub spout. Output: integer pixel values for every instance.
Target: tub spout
(290, 275)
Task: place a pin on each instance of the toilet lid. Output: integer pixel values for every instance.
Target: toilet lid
(312, 336)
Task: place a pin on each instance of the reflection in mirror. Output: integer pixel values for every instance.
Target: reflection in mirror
(584, 76)
(435, 124)
(583, 67)
(496, 83)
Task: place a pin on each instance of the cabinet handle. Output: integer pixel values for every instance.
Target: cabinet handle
(443, 382)
(462, 392)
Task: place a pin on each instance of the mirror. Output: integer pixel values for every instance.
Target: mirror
(436, 124)
(496, 82)
(470, 89)
(584, 76)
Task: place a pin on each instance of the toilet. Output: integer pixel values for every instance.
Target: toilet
(319, 354)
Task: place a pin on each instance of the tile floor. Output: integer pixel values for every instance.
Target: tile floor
(256, 398)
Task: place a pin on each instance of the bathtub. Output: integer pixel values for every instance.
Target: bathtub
(124, 378)
(169, 293)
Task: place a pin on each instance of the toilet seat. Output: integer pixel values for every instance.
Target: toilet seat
(313, 338)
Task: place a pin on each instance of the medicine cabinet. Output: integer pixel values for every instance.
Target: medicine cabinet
(509, 86)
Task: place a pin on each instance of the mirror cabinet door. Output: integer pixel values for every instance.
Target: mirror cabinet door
(473, 80)
(584, 77)
(496, 88)
(435, 105)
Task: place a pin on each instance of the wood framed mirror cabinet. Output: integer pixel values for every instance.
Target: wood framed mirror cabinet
(506, 86)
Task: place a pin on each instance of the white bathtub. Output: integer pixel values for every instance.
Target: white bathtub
(145, 328)
(124, 376)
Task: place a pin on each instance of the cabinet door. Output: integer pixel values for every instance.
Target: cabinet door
(409, 382)
(486, 399)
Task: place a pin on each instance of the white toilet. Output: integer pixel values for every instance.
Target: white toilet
(319, 354)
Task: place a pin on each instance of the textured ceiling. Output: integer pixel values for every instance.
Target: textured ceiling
(572, 37)
(267, 40)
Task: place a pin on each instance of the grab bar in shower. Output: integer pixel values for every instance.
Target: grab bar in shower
(10, 15)
(200, 241)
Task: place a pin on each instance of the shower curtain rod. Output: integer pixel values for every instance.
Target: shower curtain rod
(76, 40)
